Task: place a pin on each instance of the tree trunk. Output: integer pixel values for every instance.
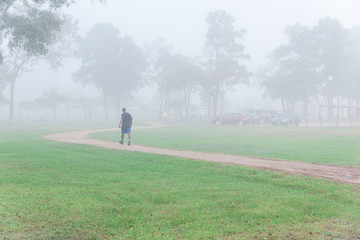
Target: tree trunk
(214, 113)
(216, 95)
(12, 97)
(221, 106)
(222, 95)
(161, 104)
(209, 106)
(305, 112)
(167, 100)
(283, 106)
(320, 119)
(330, 109)
(187, 103)
(349, 110)
(106, 106)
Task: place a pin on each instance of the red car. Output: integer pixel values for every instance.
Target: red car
(233, 118)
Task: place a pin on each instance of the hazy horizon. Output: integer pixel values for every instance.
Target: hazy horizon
(182, 23)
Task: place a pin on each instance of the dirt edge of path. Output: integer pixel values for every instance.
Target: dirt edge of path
(342, 174)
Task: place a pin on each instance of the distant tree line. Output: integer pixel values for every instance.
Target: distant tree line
(118, 67)
(32, 31)
(315, 62)
(319, 62)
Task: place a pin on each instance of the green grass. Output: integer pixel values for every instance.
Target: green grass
(51, 190)
(340, 146)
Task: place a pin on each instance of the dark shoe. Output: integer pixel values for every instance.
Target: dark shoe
(121, 142)
(129, 143)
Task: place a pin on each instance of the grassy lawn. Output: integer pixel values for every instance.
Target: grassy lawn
(340, 146)
(51, 190)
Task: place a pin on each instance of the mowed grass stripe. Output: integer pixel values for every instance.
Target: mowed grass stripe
(63, 191)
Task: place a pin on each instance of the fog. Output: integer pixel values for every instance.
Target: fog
(182, 24)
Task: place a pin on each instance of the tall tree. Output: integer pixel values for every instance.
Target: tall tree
(15, 64)
(349, 71)
(331, 41)
(157, 55)
(292, 74)
(17, 60)
(224, 53)
(167, 64)
(28, 27)
(187, 77)
(112, 63)
(177, 73)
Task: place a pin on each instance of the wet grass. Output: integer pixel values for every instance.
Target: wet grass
(51, 190)
(340, 146)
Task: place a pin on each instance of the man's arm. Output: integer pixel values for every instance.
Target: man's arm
(120, 124)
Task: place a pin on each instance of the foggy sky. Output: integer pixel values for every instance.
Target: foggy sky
(182, 22)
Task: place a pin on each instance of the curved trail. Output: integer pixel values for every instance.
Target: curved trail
(337, 173)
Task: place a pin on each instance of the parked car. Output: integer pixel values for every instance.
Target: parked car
(286, 119)
(253, 118)
(232, 118)
(264, 115)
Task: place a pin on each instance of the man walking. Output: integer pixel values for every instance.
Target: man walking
(125, 125)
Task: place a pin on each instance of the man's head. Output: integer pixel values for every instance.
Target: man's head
(124, 109)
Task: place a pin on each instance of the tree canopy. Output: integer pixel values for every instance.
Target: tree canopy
(317, 61)
(112, 63)
(31, 24)
(224, 53)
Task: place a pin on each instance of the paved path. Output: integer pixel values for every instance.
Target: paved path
(337, 173)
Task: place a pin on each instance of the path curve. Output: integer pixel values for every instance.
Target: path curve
(337, 173)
